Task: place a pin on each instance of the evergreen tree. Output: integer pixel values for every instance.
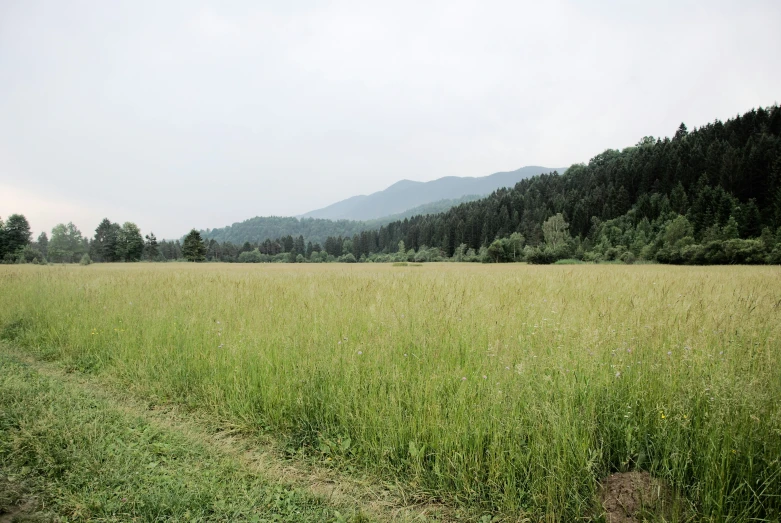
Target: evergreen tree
(193, 249)
(43, 244)
(678, 199)
(151, 250)
(104, 245)
(681, 133)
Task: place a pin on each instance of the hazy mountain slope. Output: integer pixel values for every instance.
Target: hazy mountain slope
(316, 230)
(406, 194)
(427, 208)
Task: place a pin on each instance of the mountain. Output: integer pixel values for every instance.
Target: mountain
(403, 199)
(436, 207)
(406, 194)
(316, 230)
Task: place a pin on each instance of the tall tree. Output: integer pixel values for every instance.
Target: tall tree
(43, 244)
(193, 249)
(17, 234)
(556, 232)
(150, 247)
(130, 244)
(104, 245)
(67, 245)
(2, 240)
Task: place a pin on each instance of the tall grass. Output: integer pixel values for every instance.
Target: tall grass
(511, 387)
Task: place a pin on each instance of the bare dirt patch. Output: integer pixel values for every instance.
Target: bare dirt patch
(629, 497)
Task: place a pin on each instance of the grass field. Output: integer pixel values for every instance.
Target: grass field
(508, 389)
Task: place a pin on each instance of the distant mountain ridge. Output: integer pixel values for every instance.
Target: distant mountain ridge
(316, 230)
(407, 194)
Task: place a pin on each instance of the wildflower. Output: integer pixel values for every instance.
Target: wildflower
(669, 353)
(360, 352)
(485, 377)
(220, 346)
(662, 415)
(618, 374)
(463, 378)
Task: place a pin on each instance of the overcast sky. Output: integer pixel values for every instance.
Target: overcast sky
(188, 114)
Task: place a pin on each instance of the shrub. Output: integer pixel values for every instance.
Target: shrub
(85, 260)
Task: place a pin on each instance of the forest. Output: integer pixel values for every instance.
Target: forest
(707, 196)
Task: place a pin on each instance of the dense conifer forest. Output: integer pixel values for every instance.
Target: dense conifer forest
(712, 195)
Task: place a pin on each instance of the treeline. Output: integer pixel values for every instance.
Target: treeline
(111, 243)
(710, 196)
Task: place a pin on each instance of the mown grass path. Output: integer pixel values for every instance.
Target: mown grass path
(78, 449)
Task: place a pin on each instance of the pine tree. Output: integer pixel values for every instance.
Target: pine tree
(193, 249)
(678, 199)
(681, 133)
(105, 243)
(150, 246)
(43, 244)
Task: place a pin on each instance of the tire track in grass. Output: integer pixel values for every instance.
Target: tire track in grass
(356, 498)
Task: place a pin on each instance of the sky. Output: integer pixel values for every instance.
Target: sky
(181, 114)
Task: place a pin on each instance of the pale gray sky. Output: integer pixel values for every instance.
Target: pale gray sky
(180, 114)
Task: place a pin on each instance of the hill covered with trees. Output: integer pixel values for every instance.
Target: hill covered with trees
(255, 230)
(712, 195)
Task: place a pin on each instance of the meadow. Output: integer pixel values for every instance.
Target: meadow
(512, 389)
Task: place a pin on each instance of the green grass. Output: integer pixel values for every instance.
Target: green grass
(510, 388)
(70, 455)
